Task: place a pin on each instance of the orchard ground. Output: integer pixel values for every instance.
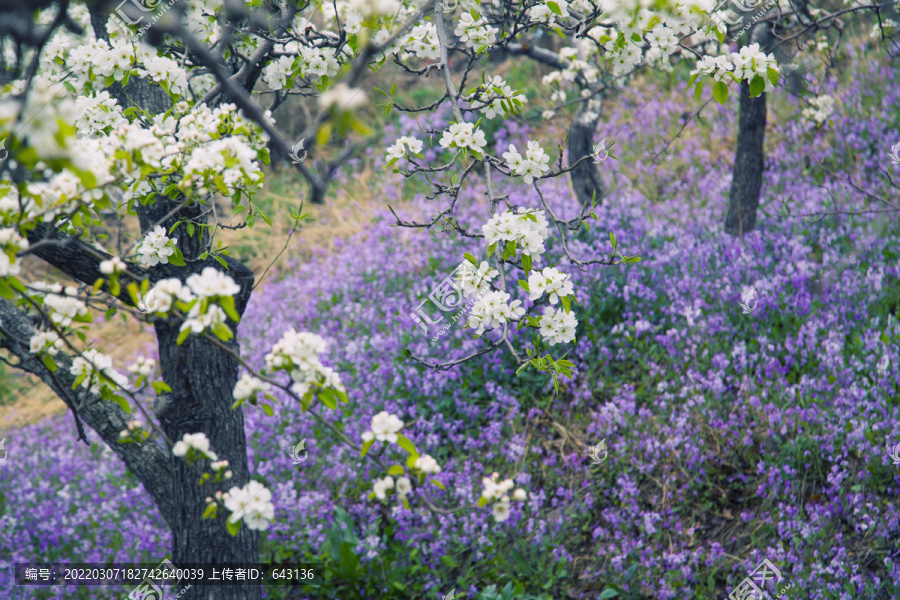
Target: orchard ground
(732, 437)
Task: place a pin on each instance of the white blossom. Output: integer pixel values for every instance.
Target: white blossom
(385, 428)
(252, 504)
(558, 326)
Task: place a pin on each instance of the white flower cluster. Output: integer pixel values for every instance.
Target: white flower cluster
(381, 486)
(143, 366)
(198, 322)
(550, 281)
(45, 340)
(663, 43)
(102, 365)
(319, 62)
(113, 265)
(422, 41)
(718, 68)
(889, 26)
(543, 13)
(98, 114)
(63, 309)
(10, 243)
(385, 428)
(211, 283)
(821, 109)
(252, 503)
(404, 144)
(495, 98)
(534, 164)
(167, 73)
(528, 229)
(476, 34)
(426, 465)
(248, 386)
(156, 247)
(475, 281)
(198, 442)
(750, 62)
(494, 489)
(230, 159)
(558, 326)
(624, 59)
(298, 353)
(163, 295)
(342, 96)
(464, 135)
(492, 310)
(275, 74)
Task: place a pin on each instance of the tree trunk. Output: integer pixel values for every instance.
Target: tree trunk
(749, 160)
(747, 178)
(202, 378)
(585, 177)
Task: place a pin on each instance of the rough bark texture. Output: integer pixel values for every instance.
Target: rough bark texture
(747, 176)
(202, 378)
(585, 177)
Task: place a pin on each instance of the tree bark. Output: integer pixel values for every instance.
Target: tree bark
(746, 180)
(585, 177)
(749, 160)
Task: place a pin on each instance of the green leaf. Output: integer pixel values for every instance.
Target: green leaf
(328, 399)
(406, 444)
(48, 362)
(233, 528)
(267, 409)
(470, 258)
(773, 75)
(524, 285)
(6, 291)
(757, 86)
(227, 304)
(411, 460)
(692, 80)
(438, 483)
(182, 336)
(366, 446)
(482, 502)
(567, 304)
(491, 249)
(160, 386)
(612, 239)
(720, 92)
(526, 263)
(209, 512)
(122, 402)
(16, 285)
(699, 89)
(395, 470)
(177, 259)
(554, 7)
(510, 250)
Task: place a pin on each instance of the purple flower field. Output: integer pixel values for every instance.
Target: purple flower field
(732, 437)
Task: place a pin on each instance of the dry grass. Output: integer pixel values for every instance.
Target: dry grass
(343, 214)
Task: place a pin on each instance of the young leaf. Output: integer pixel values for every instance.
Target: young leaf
(406, 444)
(366, 446)
(233, 528)
(395, 470)
(757, 86)
(48, 362)
(470, 258)
(720, 92)
(438, 483)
